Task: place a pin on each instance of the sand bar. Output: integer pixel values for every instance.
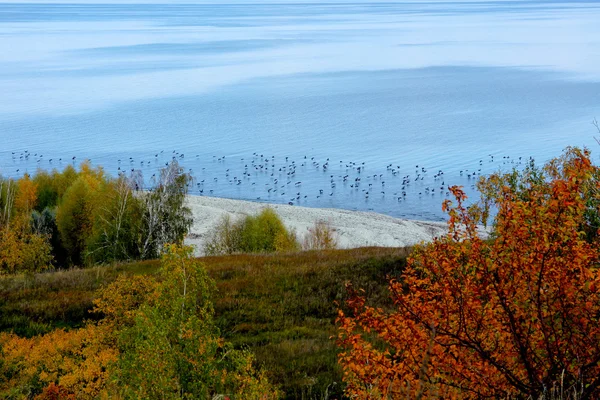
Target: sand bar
(353, 228)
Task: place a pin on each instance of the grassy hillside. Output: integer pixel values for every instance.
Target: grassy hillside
(282, 307)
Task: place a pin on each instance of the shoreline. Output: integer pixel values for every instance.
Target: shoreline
(353, 228)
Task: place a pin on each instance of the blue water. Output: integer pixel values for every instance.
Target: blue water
(349, 105)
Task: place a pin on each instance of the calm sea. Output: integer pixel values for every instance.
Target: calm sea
(365, 106)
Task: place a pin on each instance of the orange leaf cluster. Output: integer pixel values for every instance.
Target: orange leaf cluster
(514, 315)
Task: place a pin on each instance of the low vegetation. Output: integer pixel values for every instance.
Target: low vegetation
(156, 339)
(281, 307)
(263, 233)
(321, 236)
(266, 233)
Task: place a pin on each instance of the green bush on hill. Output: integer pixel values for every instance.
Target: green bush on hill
(263, 233)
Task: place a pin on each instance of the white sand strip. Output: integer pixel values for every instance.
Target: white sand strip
(353, 228)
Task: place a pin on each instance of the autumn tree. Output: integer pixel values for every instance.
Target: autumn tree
(77, 210)
(74, 219)
(22, 249)
(26, 195)
(53, 185)
(512, 316)
(8, 190)
(88, 217)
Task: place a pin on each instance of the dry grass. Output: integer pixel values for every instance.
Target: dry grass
(283, 308)
(322, 236)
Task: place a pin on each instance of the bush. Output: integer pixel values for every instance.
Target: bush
(320, 237)
(22, 249)
(263, 233)
(225, 238)
(510, 317)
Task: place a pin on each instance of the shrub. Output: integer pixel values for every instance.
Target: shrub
(321, 236)
(511, 317)
(225, 238)
(286, 241)
(23, 251)
(263, 233)
(258, 233)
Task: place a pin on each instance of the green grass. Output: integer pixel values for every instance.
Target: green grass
(282, 306)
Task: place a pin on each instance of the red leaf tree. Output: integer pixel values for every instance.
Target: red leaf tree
(511, 316)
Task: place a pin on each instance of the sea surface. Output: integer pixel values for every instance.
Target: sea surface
(362, 106)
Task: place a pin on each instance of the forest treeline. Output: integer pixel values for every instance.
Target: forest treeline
(81, 217)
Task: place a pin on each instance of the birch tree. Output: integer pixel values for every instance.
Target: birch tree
(166, 218)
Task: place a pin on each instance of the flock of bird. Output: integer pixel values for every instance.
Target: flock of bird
(305, 180)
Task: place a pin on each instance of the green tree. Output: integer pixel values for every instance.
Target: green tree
(117, 226)
(74, 218)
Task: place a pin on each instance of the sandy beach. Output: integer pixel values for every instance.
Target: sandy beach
(353, 228)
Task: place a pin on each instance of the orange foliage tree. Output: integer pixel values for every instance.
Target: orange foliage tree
(511, 316)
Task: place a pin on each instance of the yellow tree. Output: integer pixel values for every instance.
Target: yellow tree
(21, 249)
(26, 195)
